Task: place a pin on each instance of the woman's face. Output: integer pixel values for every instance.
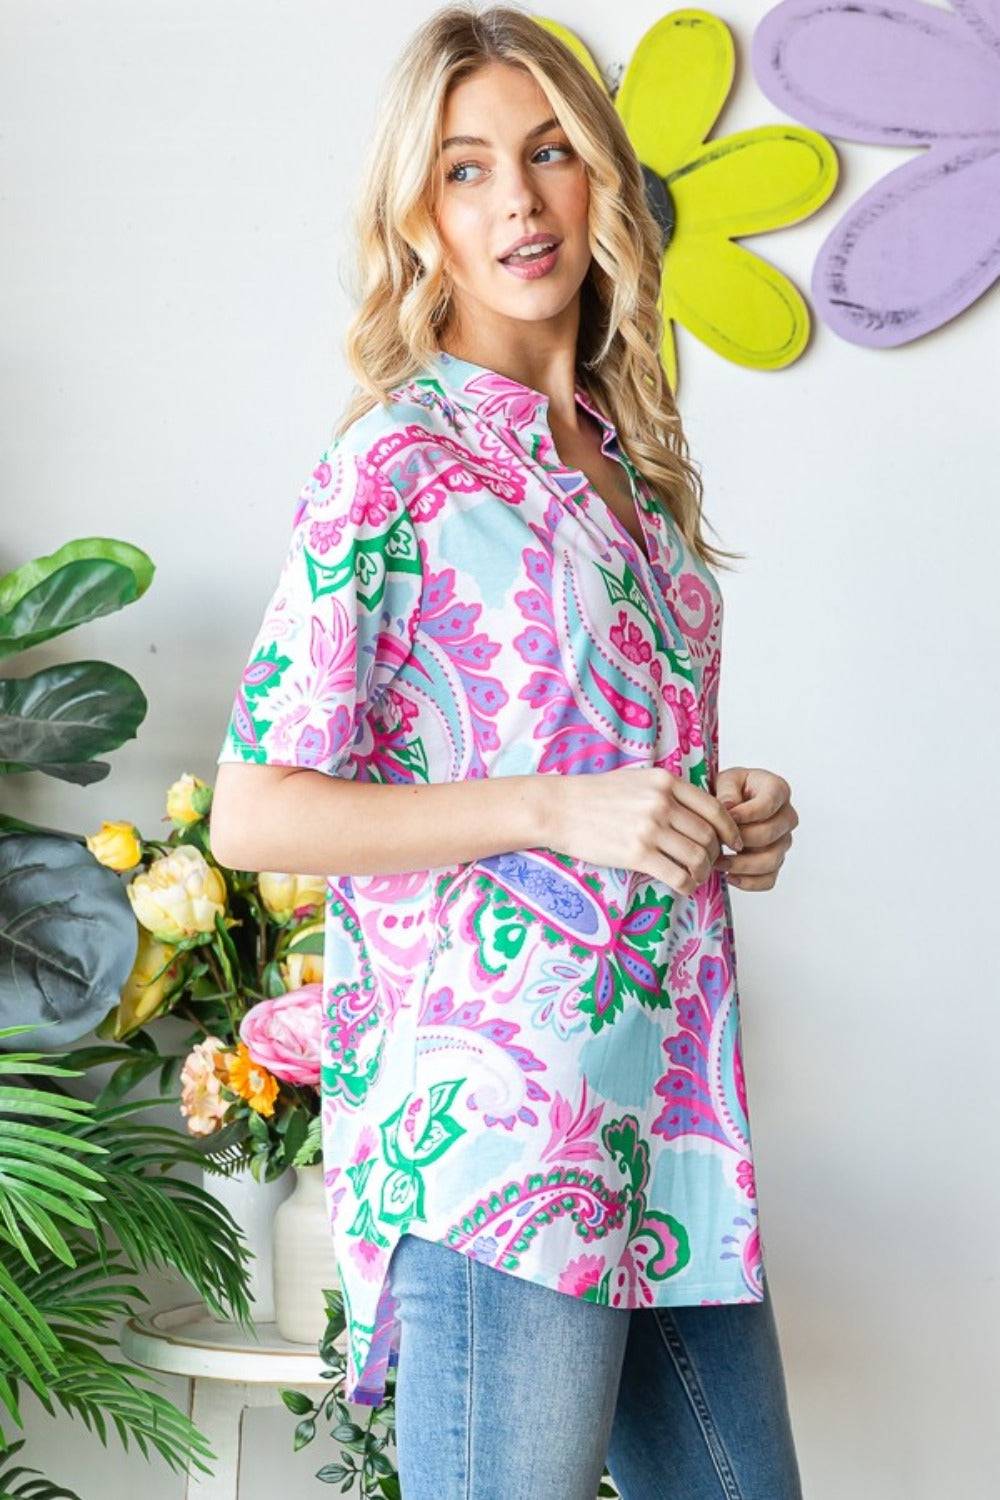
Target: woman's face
(519, 177)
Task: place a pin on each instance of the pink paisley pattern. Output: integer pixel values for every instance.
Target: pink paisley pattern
(534, 1061)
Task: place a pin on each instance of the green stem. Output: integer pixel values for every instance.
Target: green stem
(189, 1015)
(226, 994)
(261, 945)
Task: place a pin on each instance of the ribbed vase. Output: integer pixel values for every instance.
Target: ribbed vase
(304, 1262)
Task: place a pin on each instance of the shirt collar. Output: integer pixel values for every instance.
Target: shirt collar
(506, 403)
(521, 413)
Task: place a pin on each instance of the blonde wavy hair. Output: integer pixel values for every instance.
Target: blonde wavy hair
(401, 288)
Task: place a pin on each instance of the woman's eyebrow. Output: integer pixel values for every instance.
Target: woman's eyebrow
(477, 140)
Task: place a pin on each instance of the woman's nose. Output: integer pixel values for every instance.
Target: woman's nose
(521, 194)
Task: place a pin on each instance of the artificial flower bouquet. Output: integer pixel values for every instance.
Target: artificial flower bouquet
(239, 955)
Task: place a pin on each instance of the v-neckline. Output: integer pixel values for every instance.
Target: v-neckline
(642, 543)
(607, 513)
(520, 412)
(592, 498)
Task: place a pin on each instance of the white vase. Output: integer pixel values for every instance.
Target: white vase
(304, 1261)
(253, 1205)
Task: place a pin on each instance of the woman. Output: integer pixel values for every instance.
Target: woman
(483, 702)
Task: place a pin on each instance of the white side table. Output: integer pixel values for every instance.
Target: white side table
(228, 1373)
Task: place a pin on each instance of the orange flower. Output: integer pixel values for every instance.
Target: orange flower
(252, 1082)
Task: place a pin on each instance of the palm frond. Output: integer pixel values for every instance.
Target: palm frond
(97, 1389)
(27, 1344)
(41, 1176)
(227, 1160)
(177, 1224)
(80, 1305)
(160, 1219)
(31, 1489)
(63, 1285)
(164, 1220)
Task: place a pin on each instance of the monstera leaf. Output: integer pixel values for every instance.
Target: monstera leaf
(68, 938)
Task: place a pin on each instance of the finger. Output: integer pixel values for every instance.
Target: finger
(753, 809)
(756, 861)
(677, 876)
(763, 833)
(689, 853)
(694, 827)
(709, 808)
(752, 882)
(761, 861)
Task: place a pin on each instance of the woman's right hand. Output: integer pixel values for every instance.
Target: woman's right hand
(642, 818)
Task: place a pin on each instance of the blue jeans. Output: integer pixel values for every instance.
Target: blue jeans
(506, 1390)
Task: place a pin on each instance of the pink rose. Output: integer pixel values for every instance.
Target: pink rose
(284, 1035)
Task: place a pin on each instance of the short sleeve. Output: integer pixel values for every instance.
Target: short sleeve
(339, 623)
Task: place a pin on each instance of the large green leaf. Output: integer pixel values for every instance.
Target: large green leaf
(68, 938)
(82, 775)
(10, 824)
(68, 713)
(86, 578)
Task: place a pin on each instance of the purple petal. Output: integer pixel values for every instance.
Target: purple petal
(915, 250)
(905, 75)
(984, 18)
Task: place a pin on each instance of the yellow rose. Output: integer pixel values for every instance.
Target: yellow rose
(188, 799)
(142, 996)
(300, 968)
(179, 895)
(284, 895)
(117, 845)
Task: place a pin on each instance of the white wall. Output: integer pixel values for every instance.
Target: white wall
(174, 177)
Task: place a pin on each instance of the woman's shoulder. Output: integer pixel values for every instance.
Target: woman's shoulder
(411, 413)
(391, 458)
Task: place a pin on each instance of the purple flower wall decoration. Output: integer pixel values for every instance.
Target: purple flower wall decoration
(923, 243)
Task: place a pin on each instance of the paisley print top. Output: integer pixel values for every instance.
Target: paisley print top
(530, 1059)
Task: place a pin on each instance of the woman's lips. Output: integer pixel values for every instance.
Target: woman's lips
(530, 270)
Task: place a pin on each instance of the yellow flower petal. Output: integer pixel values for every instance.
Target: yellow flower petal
(670, 97)
(736, 303)
(674, 86)
(755, 180)
(575, 45)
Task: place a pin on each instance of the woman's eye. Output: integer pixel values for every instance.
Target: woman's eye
(566, 149)
(464, 166)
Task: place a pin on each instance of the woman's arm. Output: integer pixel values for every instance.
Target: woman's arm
(308, 823)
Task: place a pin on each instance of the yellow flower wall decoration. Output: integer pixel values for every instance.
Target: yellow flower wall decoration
(705, 193)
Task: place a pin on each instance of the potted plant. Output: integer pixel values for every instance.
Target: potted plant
(237, 955)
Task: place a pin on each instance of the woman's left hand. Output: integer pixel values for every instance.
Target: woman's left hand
(759, 801)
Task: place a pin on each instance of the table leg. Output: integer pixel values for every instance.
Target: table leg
(217, 1407)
